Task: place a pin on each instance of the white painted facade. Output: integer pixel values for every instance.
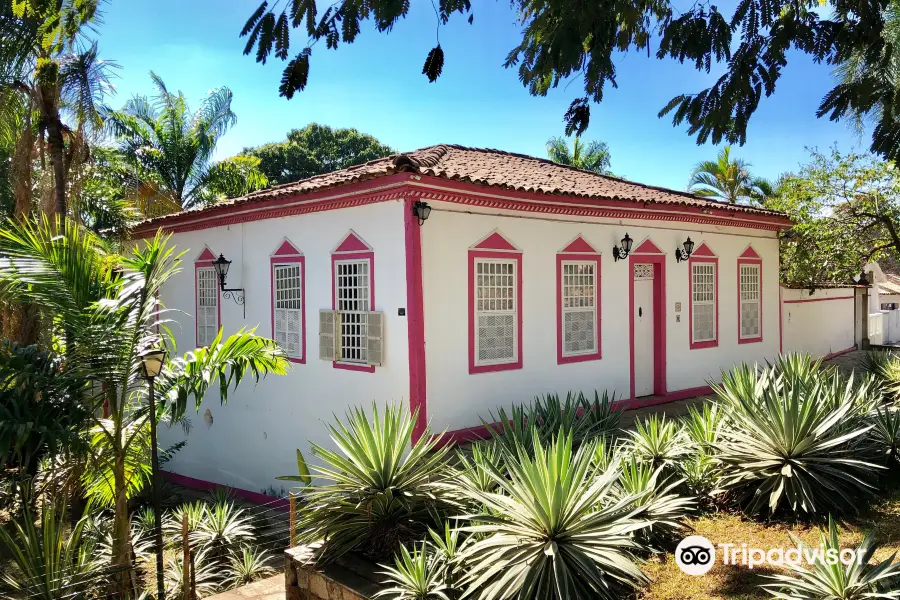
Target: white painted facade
(821, 323)
(252, 439)
(457, 399)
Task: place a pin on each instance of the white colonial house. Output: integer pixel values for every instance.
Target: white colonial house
(527, 277)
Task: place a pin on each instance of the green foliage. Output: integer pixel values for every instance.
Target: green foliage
(248, 565)
(173, 147)
(847, 210)
(593, 156)
(53, 563)
(416, 575)
(41, 409)
(555, 530)
(826, 578)
(205, 575)
(222, 526)
(728, 180)
(885, 369)
(659, 441)
(886, 434)
(704, 425)
(381, 489)
(795, 440)
(314, 150)
(663, 508)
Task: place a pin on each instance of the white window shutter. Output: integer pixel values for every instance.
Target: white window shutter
(375, 338)
(328, 345)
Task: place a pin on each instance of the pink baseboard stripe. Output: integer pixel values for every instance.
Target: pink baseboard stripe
(839, 353)
(480, 432)
(805, 300)
(202, 484)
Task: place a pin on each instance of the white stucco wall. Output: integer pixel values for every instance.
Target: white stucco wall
(818, 324)
(456, 399)
(252, 439)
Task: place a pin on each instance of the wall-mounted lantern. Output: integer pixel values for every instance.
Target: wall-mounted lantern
(422, 211)
(623, 252)
(237, 294)
(684, 253)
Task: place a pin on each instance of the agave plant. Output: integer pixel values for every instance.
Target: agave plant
(472, 464)
(886, 434)
(248, 565)
(703, 426)
(660, 505)
(381, 487)
(222, 527)
(659, 441)
(790, 445)
(416, 575)
(448, 548)
(52, 563)
(606, 453)
(555, 530)
(700, 473)
(884, 366)
(827, 579)
(204, 575)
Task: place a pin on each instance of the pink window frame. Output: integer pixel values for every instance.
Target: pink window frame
(715, 262)
(514, 256)
(337, 257)
(205, 260)
(286, 259)
(564, 257)
(748, 259)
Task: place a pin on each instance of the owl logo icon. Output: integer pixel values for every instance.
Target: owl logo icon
(695, 555)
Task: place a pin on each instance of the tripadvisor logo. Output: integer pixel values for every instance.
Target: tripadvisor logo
(695, 555)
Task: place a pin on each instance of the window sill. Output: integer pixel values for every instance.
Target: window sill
(354, 367)
(755, 340)
(298, 361)
(702, 345)
(562, 360)
(511, 366)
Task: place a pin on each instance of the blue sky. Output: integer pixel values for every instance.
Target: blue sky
(376, 86)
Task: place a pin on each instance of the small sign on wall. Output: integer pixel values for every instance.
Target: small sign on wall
(678, 307)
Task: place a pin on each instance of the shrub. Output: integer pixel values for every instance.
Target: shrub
(472, 465)
(222, 526)
(381, 490)
(827, 580)
(659, 441)
(884, 367)
(205, 580)
(700, 473)
(555, 530)
(664, 510)
(886, 434)
(794, 441)
(704, 426)
(247, 565)
(416, 575)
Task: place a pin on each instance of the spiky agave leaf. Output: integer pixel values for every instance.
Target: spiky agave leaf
(554, 530)
(380, 486)
(654, 493)
(704, 425)
(247, 565)
(789, 445)
(661, 442)
(886, 434)
(825, 578)
(416, 575)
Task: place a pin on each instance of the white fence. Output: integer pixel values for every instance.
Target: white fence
(884, 327)
(820, 324)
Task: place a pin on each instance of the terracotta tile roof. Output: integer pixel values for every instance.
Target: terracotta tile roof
(891, 286)
(494, 168)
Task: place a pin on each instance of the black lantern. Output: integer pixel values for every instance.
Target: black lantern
(422, 211)
(863, 280)
(685, 253)
(152, 361)
(221, 266)
(623, 252)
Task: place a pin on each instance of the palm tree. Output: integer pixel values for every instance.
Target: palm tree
(593, 156)
(107, 305)
(728, 180)
(174, 147)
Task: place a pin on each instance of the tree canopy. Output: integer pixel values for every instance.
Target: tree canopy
(314, 150)
(847, 213)
(591, 156)
(728, 179)
(752, 44)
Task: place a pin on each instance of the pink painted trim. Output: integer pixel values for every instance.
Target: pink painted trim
(335, 258)
(715, 261)
(352, 243)
(659, 319)
(391, 187)
(750, 253)
(839, 353)
(281, 260)
(508, 256)
(202, 484)
(751, 261)
(819, 299)
(780, 320)
(203, 264)
(581, 257)
(703, 250)
(647, 247)
(480, 432)
(415, 315)
(496, 241)
(579, 245)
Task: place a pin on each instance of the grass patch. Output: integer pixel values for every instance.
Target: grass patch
(733, 582)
